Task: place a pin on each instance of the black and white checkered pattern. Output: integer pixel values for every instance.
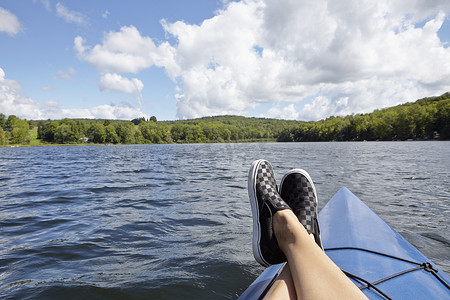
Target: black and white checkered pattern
(265, 202)
(298, 191)
(266, 186)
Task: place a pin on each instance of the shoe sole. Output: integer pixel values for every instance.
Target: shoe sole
(255, 213)
(304, 173)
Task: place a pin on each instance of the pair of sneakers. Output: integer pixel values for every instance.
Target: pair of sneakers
(297, 192)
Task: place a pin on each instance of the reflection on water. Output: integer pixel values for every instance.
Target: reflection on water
(173, 221)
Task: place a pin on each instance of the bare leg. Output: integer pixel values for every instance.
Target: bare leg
(283, 287)
(314, 275)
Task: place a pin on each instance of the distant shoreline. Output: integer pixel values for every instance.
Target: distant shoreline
(424, 119)
(232, 142)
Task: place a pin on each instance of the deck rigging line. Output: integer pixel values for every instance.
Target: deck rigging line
(427, 266)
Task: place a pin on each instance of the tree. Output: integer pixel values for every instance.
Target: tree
(111, 134)
(97, 132)
(138, 121)
(68, 131)
(3, 137)
(63, 134)
(12, 121)
(156, 133)
(2, 120)
(442, 120)
(126, 132)
(46, 131)
(176, 132)
(19, 131)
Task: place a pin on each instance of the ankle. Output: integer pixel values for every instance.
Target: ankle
(283, 225)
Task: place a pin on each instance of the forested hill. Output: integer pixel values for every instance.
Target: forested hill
(427, 118)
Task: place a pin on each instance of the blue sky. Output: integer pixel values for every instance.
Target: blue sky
(186, 59)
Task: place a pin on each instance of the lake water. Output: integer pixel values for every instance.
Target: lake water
(174, 221)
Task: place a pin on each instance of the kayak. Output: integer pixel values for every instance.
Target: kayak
(371, 253)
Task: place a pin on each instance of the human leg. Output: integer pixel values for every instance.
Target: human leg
(314, 274)
(283, 287)
(309, 273)
(298, 191)
(278, 234)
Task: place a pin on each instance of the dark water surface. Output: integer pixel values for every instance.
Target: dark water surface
(174, 221)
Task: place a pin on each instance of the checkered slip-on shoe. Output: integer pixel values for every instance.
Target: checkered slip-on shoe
(265, 201)
(297, 189)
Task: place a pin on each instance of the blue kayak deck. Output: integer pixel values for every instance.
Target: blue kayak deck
(366, 247)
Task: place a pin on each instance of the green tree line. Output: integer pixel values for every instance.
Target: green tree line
(14, 130)
(426, 118)
(142, 131)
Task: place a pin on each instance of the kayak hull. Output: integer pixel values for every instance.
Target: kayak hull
(366, 247)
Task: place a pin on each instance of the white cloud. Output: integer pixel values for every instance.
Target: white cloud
(122, 111)
(219, 66)
(70, 16)
(48, 88)
(105, 14)
(45, 3)
(126, 51)
(347, 56)
(60, 74)
(361, 96)
(14, 102)
(9, 23)
(321, 106)
(288, 112)
(116, 83)
(337, 56)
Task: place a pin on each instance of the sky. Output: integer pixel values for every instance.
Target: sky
(176, 59)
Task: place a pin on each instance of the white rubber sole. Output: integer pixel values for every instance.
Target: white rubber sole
(255, 213)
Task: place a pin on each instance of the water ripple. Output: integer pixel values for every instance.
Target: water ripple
(173, 221)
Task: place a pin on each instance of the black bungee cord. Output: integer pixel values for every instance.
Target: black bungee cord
(426, 266)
